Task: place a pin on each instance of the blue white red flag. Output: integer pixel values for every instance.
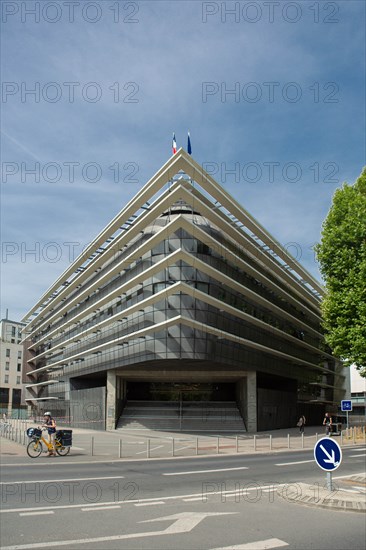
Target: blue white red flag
(189, 148)
(174, 145)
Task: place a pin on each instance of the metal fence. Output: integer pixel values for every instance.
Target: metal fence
(154, 447)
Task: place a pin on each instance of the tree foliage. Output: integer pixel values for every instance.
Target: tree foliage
(342, 258)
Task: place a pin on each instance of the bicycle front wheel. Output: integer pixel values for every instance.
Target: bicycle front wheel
(34, 448)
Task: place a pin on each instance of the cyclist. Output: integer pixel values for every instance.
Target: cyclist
(50, 424)
(327, 422)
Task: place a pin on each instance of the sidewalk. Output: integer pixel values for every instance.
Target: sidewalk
(140, 444)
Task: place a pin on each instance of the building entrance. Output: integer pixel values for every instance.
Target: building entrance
(178, 391)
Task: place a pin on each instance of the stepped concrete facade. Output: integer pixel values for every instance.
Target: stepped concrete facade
(183, 300)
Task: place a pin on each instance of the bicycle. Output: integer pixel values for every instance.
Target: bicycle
(63, 442)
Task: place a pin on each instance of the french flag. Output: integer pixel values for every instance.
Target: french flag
(174, 145)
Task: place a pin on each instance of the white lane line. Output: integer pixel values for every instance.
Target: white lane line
(44, 513)
(152, 449)
(359, 450)
(99, 508)
(258, 545)
(356, 456)
(150, 503)
(194, 499)
(60, 480)
(291, 463)
(349, 475)
(204, 471)
(135, 501)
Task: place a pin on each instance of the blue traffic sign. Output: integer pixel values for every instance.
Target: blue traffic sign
(346, 405)
(327, 454)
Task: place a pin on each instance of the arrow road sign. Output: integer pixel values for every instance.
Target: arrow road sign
(327, 454)
(346, 405)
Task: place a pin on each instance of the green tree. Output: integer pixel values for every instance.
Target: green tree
(342, 258)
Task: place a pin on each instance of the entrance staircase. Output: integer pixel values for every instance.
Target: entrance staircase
(188, 416)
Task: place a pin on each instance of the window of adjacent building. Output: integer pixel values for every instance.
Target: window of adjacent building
(19, 354)
(13, 331)
(17, 394)
(6, 379)
(7, 352)
(19, 367)
(18, 379)
(4, 397)
(7, 365)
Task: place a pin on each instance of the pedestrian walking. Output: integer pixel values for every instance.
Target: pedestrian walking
(301, 423)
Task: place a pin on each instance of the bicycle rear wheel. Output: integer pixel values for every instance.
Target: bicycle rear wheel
(62, 451)
(34, 448)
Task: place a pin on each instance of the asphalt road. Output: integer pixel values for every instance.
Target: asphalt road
(204, 503)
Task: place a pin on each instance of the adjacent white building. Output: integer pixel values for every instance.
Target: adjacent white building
(358, 393)
(11, 360)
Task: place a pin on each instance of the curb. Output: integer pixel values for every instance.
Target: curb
(304, 494)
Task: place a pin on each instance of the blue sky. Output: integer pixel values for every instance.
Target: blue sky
(293, 128)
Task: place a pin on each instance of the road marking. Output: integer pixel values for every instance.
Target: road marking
(291, 463)
(60, 480)
(194, 499)
(258, 545)
(44, 513)
(204, 471)
(184, 523)
(349, 475)
(356, 456)
(152, 449)
(99, 508)
(153, 499)
(150, 503)
(359, 449)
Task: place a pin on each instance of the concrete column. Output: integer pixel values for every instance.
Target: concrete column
(247, 400)
(252, 401)
(111, 400)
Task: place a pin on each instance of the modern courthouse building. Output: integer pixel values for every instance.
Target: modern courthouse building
(183, 308)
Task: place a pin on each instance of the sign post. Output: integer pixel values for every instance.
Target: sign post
(328, 456)
(346, 406)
